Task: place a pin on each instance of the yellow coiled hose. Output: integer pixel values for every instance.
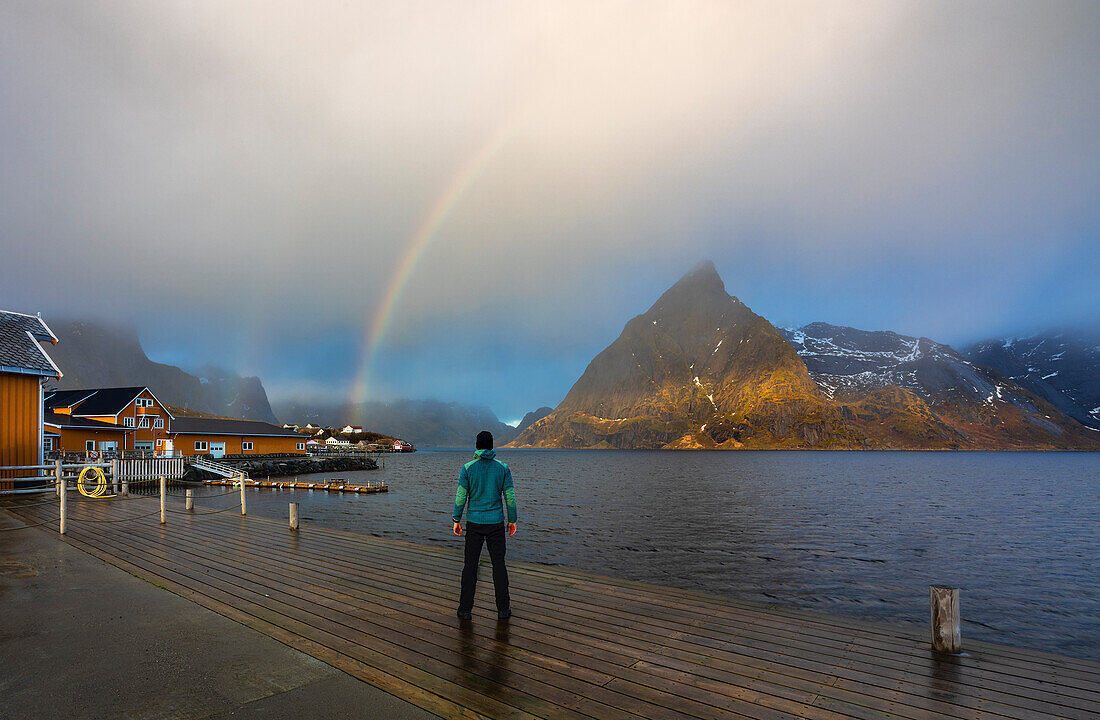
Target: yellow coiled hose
(85, 485)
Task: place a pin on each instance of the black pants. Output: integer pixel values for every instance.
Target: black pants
(493, 536)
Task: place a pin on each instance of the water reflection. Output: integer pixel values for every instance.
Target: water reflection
(861, 534)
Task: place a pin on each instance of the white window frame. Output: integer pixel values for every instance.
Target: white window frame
(201, 445)
(300, 446)
(158, 423)
(245, 445)
(144, 423)
(127, 421)
(146, 445)
(89, 446)
(47, 443)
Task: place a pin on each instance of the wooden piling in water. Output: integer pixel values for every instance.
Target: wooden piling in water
(163, 499)
(241, 478)
(946, 633)
(190, 502)
(293, 516)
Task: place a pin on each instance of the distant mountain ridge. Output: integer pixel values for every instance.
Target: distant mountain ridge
(533, 417)
(699, 369)
(424, 423)
(1060, 366)
(92, 354)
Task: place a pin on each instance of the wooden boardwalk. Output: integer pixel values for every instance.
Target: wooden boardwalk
(579, 645)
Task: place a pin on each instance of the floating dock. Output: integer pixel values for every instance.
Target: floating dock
(579, 646)
(332, 485)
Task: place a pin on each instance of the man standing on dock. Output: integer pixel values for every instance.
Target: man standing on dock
(481, 484)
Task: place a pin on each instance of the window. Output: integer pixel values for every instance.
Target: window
(128, 421)
(143, 446)
(144, 423)
(143, 402)
(158, 423)
(200, 445)
(246, 446)
(47, 443)
(89, 445)
(300, 446)
(160, 442)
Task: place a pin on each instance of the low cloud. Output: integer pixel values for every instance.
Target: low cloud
(244, 181)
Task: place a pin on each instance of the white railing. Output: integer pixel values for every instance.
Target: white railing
(215, 467)
(150, 468)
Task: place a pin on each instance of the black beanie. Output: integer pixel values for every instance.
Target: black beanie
(484, 441)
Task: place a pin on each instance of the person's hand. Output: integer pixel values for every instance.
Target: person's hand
(511, 529)
(458, 529)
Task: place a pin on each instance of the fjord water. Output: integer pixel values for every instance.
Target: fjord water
(861, 534)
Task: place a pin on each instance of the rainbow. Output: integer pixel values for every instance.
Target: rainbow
(427, 230)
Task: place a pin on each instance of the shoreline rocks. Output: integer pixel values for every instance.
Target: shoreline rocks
(284, 467)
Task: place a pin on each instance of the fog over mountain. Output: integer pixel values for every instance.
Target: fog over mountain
(375, 201)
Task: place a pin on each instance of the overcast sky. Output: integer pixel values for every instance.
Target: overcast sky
(245, 179)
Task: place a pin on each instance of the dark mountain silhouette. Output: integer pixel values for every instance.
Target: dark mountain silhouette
(94, 354)
(532, 417)
(1062, 367)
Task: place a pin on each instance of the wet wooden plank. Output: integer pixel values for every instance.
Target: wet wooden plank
(580, 646)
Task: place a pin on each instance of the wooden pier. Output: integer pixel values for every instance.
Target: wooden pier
(332, 485)
(579, 646)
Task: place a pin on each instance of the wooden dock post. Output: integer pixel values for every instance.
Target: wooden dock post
(125, 487)
(946, 633)
(61, 495)
(114, 476)
(57, 475)
(293, 516)
(163, 497)
(190, 502)
(241, 477)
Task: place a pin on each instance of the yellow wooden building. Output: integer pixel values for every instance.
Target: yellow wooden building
(219, 437)
(107, 420)
(24, 368)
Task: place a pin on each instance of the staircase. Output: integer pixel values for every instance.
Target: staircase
(217, 468)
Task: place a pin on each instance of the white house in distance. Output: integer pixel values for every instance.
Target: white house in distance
(351, 429)
(337, 442)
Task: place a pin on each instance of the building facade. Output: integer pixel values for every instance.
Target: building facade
(106, 420)
(24, 368)
(219, 437)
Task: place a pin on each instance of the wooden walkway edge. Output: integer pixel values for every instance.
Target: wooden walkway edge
(579, 645)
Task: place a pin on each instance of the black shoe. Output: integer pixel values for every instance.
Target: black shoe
(504, 614)
(464, 615)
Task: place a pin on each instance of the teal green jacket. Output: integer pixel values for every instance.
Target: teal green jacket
(481, 482)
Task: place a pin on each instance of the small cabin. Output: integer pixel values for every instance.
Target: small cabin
(219, 437)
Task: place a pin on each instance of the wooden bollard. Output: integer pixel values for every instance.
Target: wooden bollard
(163, 498)
(114, 476)
(125, 487)
(190, 502)
(61, 495)
(293, 516)
(946, 633)
(241, 476)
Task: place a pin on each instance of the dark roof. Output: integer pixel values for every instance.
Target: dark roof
(20, 350)
(101, 401)
(64, 398)
(223, 426)
(52, 418)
